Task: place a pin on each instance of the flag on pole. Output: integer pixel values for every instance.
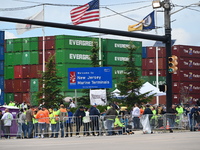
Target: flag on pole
(21, 28)
(85, 13)
(148, 23)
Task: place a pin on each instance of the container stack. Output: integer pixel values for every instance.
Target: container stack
(1, 67)
(21, 67)
(24, 62)
(115, 53)
(72, 52)
(149, 65)
(186, 81)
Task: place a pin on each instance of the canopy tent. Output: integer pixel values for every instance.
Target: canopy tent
(146, 87)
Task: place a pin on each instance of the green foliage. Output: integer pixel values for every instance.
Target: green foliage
(50, 93)
(95, 54)
(132, 84)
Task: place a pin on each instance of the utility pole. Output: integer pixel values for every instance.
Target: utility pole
(167, 16)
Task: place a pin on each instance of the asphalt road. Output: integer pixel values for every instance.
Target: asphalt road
(158, 141)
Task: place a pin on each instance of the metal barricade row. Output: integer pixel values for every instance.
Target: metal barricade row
(94, 126)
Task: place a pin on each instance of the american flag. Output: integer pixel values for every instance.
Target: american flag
(85, 13)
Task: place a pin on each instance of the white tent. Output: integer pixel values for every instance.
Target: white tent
(146, 87)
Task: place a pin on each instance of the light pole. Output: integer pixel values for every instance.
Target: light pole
(167, 9)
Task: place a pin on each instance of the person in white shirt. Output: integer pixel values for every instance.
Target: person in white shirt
(7, 120)
(86, 122)
(72, 104)
(136, 115)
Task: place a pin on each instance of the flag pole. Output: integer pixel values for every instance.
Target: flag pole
(43, 51)
(100, 59)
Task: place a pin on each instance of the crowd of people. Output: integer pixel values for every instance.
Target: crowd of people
(43, 122)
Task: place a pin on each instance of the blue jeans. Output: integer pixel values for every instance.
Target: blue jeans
(30, 129)
(19, 130)
(109, 124)
(136, 122)
(42, 127)
(54, 128)
(24, 129)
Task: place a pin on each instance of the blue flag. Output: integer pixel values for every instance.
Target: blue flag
(148, 23)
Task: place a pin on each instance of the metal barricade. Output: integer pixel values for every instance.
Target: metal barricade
(9, 131)
(194, 122)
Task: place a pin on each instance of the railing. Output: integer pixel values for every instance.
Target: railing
(95, 126)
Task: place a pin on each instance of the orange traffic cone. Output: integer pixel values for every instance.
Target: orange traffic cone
(167, 126)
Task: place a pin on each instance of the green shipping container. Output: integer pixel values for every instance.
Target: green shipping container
(9, 59)
(9, 72)
(144, 78)
(61, 56)
(17, 45)
(9, 45)
(18, 58)
(74, 42)
(34, 43)
(120, 45)
(26, 58)
(161, 80)
(26, 44)
(77, 56)
(30, 44)
(34, 85)
(9, 97)
(34, 57)
(111, 58)
(61, 70)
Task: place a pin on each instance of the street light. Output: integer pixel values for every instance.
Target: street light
(156, 4)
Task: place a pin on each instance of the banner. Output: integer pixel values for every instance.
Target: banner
(98, 97)
(85, 13)
(21, 28)
(148, 23)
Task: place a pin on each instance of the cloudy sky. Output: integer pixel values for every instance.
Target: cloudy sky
(185, 23)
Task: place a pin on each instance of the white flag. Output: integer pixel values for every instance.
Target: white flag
(21, 28)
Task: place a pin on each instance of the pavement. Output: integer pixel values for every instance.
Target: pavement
(157, 141)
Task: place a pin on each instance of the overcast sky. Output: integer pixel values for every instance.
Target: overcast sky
(185, 23)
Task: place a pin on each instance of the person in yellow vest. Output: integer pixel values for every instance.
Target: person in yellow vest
(154, 117)
(119, 126)
(35, 124)
(53, 122)
(179, 116)
(11, 103)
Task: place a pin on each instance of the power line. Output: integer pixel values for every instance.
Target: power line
(124, 3)
(126, 11)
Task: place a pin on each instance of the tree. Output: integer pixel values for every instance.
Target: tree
(131, 84)
(50, 93)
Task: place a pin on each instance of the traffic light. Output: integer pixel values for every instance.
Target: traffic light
(172, 64)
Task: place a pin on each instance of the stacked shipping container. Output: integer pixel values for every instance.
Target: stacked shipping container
(24, 59)
(186, 81)
(21, 64)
